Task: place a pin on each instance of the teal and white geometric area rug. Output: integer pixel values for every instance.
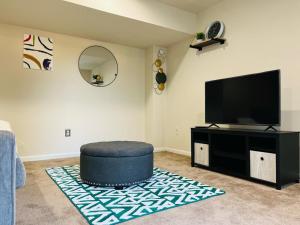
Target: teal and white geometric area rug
(105, 205)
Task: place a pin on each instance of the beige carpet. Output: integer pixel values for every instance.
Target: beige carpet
(40, 202)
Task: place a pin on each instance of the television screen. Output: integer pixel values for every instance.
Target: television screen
(246, 100)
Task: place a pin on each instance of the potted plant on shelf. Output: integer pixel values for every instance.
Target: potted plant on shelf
(200, 36)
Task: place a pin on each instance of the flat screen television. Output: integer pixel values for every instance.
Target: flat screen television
(245, 100)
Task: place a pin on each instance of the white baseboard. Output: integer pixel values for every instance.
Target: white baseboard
(76, 154)
(159, 149)
(173, 150)
(178, 151)
(49, 156)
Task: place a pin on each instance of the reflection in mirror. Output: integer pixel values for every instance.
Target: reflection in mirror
(98, 66)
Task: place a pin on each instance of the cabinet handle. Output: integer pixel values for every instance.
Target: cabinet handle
(201, 148)
(262, 158)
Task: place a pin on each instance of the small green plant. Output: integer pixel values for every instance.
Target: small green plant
(200, 36)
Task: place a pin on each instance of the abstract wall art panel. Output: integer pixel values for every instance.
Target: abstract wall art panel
(38, 52)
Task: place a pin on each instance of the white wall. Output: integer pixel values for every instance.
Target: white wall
(261, 35)
(40, 105)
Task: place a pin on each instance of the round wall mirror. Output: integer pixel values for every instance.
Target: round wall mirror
(98, 66)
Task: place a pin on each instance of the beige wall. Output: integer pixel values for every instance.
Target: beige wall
(40, 105)
(261, 35)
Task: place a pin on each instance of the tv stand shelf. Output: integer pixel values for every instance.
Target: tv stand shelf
(268, 157)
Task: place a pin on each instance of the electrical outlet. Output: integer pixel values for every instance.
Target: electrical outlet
(67, 132)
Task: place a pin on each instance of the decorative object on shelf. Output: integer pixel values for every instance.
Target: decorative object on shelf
(160, 76)
(98, 66)
(37, 52)
(215, 30)
(200, 36)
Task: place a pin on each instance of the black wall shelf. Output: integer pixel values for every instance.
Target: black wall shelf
(203, 44)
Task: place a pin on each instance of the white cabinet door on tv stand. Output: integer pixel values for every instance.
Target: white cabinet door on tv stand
(201, 154)
(263, 166)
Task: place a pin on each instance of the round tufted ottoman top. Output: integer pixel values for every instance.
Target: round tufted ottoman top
(117, 149)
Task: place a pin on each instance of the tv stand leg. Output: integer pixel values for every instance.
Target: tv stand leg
(213, 125)
(271, 128)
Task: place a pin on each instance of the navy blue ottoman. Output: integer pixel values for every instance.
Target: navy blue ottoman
(118, 163)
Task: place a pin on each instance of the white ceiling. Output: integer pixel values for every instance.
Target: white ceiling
(66, 18)
(190, 5)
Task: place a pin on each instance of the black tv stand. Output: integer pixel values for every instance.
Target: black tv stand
(271, 128)
(268, 157)
(213, 125)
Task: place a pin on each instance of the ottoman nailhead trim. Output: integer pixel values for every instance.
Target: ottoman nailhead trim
(113, 185)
